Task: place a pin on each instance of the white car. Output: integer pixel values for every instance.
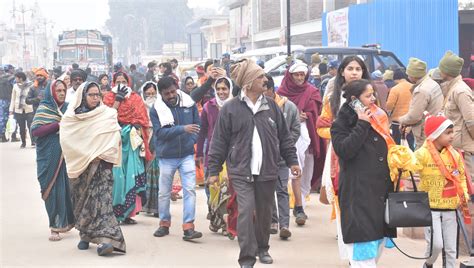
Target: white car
(277, 67)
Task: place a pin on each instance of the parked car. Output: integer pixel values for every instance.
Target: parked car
(374, 58)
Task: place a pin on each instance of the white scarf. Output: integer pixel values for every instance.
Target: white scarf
(164, 112)
(220, 102)
(87, 136)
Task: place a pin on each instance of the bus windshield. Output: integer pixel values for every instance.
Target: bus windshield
(95, 53)
(68, 53)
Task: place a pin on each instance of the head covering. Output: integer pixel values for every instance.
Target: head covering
(83, 108)
(148, 101)
(399, 74)
(299, 67)
(220, 102)
(308, 100)
(226, 55)
(436, 125)
(244, 72)
(315, 71)
(376, 75)
(200, 69)
(78, 73)
(451, 64)
(95, 134)
(435, 74)
(334, 64)
(49, 110)
(416, 68)
(315, 59)
(388, 75)
(42, 72)
(124, 74)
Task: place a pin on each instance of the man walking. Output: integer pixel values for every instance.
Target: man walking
(6, 86)
(176, 123)
(250, 135)
(281, 216)
(427, 96)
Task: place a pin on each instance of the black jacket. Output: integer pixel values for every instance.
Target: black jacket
(6, 86)
(364, 179)
(232, 140)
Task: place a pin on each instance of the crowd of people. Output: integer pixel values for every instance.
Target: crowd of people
(109, 148)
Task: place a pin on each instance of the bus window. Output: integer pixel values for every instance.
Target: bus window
(68, 53)
(95, 53)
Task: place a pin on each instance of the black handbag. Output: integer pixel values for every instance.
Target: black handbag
(409, 209)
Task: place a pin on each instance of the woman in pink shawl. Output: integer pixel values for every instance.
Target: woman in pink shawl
(295, 87)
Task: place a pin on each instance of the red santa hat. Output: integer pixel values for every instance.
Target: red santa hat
(436, 125)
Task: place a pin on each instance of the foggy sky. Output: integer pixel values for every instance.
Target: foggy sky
(74, 14)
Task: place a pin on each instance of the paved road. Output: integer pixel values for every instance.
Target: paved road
(24, 233)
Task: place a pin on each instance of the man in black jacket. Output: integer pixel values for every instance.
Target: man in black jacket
(250, 135)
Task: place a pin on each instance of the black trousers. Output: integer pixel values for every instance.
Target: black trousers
(255, 203)
(23, 120)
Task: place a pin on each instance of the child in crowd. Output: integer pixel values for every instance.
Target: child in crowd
(442, 176)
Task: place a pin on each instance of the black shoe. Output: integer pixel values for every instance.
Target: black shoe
(265, 258)
(274, 228)
(22, 146)
(301, 218)
(162, 231)
(83, 245)
(191, 234)
(246, 266)
(104, 249)
(15, 139)
(3, 138)
(285, 233)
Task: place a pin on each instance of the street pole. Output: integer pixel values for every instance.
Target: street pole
(288, 26)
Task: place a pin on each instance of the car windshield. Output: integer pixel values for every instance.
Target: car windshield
(383, 62)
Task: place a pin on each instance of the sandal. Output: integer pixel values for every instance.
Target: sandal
(129, 221)
(54, 237)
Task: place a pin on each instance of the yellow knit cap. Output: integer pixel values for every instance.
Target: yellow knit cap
(451, 64)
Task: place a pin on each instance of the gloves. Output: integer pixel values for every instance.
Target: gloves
(121, 93)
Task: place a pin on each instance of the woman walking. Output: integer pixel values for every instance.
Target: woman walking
(352, 68)
(23, 112)
(129, 178)
(361, 138)
(90, 138)
(51, 167)
(150, 91)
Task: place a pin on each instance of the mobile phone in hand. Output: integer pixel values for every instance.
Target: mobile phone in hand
(216, 64)
(357, 105)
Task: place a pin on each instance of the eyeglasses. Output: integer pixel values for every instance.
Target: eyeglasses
(93, 95)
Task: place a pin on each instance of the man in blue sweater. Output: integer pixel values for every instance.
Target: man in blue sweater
(176, 123)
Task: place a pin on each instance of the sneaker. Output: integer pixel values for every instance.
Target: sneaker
(191, 234)
(104, 249)
(83, 245)
(285, 233)
(301, 218)
(265, 258)
(274, 228)
(162, 231)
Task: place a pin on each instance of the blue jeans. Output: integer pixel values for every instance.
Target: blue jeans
(187, 170)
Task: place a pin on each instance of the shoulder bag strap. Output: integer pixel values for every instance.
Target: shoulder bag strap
(417, 258)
